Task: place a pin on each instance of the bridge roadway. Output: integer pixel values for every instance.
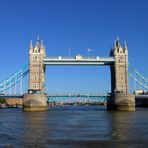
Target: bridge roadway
(78, 60)
(79, 95)
(58, 95)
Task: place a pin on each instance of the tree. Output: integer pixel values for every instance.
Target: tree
(2, 100)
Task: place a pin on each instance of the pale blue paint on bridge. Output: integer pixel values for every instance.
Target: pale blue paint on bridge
(78, 97)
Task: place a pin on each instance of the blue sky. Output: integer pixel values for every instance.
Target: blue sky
(75, 24)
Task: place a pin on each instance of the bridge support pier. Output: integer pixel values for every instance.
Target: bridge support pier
(121, 102)
(35, 102)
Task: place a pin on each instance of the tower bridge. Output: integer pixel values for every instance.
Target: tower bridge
(118, 62)
(36, 98)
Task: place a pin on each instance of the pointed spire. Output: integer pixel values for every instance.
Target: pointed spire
(42, 46)
(118, 42)
(38, 42)
(38, 38)
(44, 51)
(31, 45)
(115, 44)
(125, 45)
(118, 39)
(125, 48)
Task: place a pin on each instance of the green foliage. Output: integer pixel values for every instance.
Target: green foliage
(2, 100)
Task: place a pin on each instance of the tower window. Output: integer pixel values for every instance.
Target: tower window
(35, 86)
(34, 77)
(36, 57)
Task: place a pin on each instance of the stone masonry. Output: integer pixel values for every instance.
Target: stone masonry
(121, 99)
(36, 100)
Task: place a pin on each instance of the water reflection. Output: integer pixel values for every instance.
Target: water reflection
(35, 132)
(127, 130)
(75, 126)
(120, 124)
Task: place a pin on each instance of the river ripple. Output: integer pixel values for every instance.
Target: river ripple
(74, 127)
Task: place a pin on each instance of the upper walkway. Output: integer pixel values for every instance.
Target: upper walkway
(78, 60)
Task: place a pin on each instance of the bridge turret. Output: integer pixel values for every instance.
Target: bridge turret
(37, 46)
(119, 79)
(36, 99)
(36, 67)
(30, 47)
(120, 68)
(117, 49)
(114, 50)
(125, 48)
(118, 44)
(42, 48)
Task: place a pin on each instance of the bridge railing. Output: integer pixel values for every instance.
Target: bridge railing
(58, 58)
(78, 95)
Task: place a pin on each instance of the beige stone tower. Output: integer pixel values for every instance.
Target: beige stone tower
(119, 71)
(36, 100)
(121, 99)
(36, 68)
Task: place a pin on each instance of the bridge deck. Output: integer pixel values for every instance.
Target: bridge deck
(78, 95)
(78, 60)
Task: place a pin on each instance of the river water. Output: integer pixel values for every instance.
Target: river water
(74, 127)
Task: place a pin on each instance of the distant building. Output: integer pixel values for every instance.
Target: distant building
(14, 101)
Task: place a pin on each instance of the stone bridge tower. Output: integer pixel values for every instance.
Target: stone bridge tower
(36, 67)
(36, 99)
(120, 99)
